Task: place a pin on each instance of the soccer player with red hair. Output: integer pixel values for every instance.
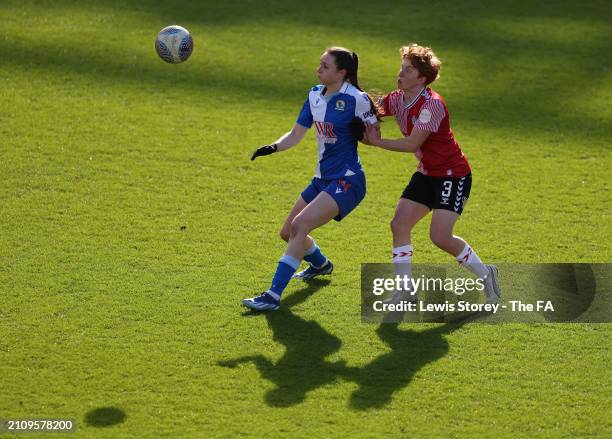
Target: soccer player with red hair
(443, 178)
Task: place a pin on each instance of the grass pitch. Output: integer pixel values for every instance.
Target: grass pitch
(132, 221)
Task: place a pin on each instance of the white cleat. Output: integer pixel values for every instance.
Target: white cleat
(491, 280)
(401, 296)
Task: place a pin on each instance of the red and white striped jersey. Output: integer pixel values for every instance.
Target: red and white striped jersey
(440, 155)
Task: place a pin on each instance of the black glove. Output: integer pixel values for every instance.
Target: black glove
(357, 128)
(265, 150)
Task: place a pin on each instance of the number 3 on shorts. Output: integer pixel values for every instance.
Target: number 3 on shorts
(448, 186)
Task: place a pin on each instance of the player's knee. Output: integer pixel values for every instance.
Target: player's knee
(399, 226)
(285, 233)
(440, 238)
(298, 228)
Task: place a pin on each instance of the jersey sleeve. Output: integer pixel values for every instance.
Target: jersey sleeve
(305, 116)
(383, 107)
(364, 110)
(431, 116)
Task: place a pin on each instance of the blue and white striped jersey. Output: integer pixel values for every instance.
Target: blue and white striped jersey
(331, 115)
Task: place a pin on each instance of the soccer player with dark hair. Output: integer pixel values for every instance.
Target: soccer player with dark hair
(334, 106)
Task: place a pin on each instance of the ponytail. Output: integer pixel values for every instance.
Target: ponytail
(349, 61)
(352, 75)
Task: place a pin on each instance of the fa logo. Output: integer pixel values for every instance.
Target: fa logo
(340, 104)
(425, 116)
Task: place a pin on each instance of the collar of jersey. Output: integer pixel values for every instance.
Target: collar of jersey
(327, 98)
(413, 99)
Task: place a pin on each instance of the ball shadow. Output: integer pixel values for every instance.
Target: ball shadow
(105, 417)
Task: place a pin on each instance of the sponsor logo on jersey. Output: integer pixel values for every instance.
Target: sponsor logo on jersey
(367, 114)
(325, 132)
(340, 105)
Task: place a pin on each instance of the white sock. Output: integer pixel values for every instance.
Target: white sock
(402, 259)
(470, 260)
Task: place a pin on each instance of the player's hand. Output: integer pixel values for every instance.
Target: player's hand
(357, 128)
(372, 134)
(265, 150)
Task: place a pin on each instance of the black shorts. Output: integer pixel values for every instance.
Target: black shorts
(448, 193)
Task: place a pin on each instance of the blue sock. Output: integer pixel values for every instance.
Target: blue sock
(314, 256)
(287, 265)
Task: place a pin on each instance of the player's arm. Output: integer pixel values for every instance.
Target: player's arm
(405, 144)
(291, 138)
(365, 115)
(285, 142)
(383, 105)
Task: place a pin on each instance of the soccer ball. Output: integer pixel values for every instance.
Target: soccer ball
(174, 44)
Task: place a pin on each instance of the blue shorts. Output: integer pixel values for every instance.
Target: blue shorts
(346, 191)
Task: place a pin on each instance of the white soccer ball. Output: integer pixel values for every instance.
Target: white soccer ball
(174, 44)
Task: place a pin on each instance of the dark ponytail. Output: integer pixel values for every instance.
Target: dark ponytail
(353, 74)
(345, 59)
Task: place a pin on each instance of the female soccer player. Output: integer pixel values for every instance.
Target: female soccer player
(338, 108)
(443, 178)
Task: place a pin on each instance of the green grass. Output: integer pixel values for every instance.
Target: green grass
(133, 222)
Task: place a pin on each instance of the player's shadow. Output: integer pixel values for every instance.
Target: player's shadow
(303, 367)
(390, 372)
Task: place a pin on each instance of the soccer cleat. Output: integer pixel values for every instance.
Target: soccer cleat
(492, 291)
(401, 296)
(311, 271)
(263, 302)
